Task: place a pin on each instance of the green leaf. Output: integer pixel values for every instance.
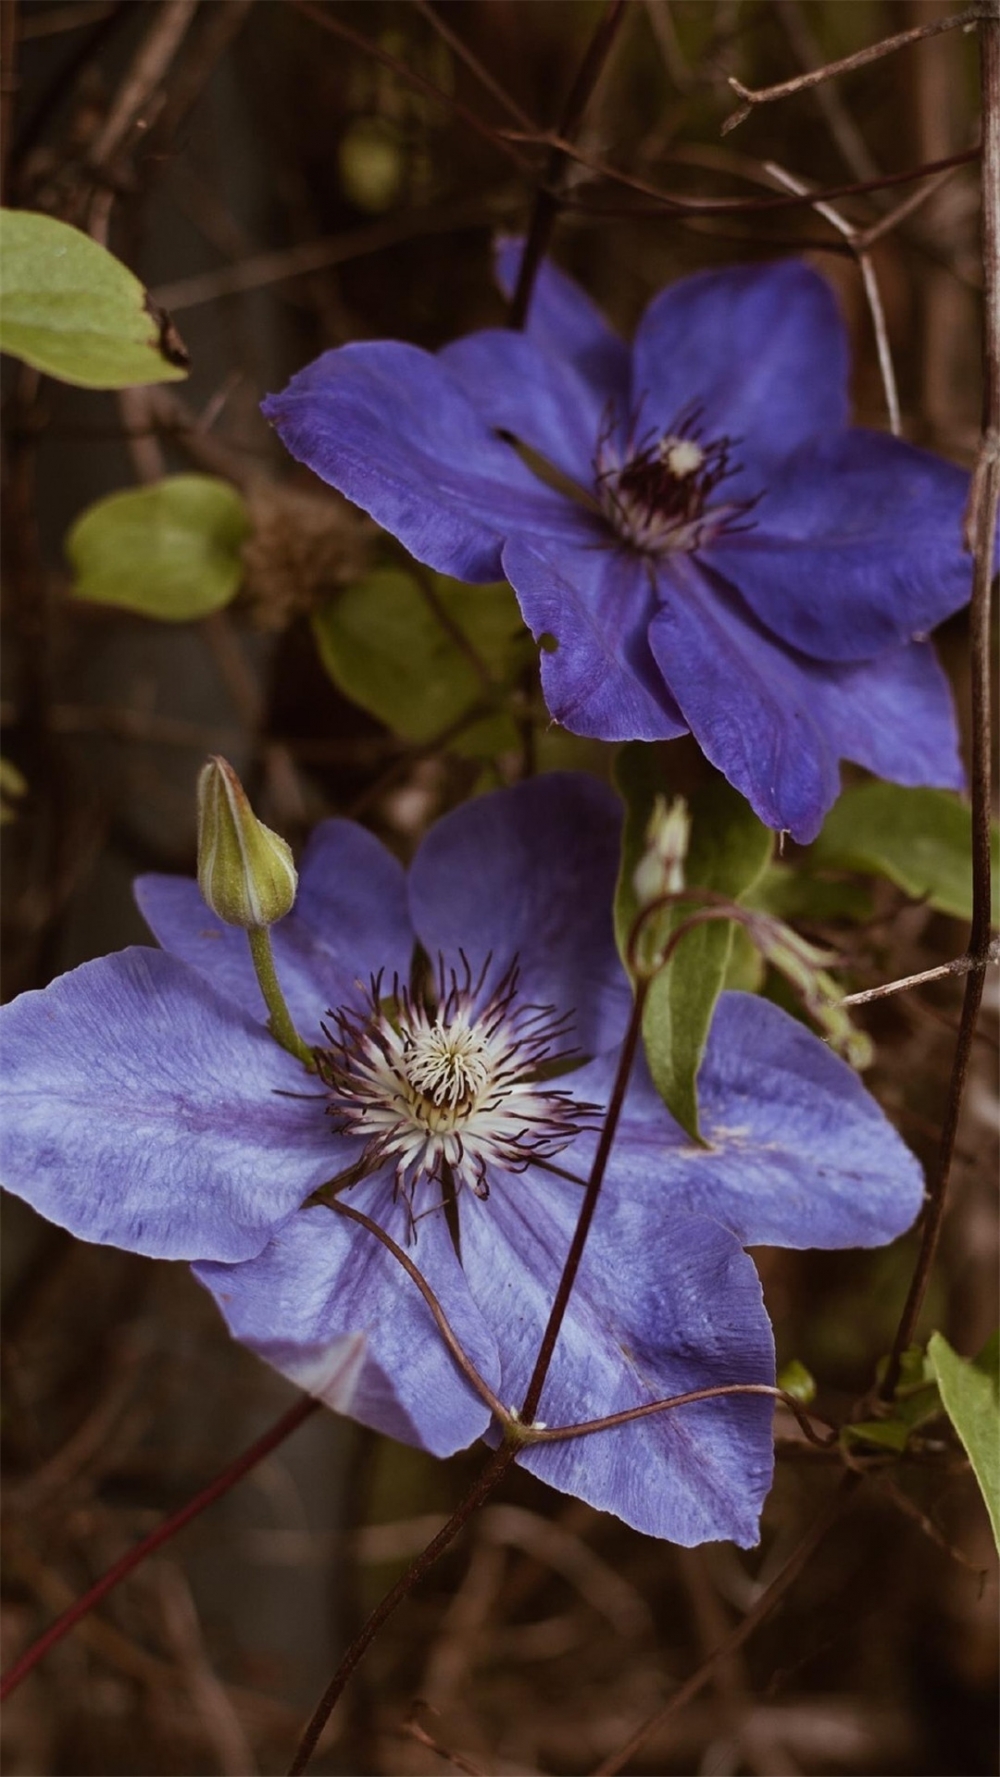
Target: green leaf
(420, 654)
(970, 1394)
(171, 550)
(793, 894)
(71, 309)
(797, 1381)
(886, 1434)
(729, 851)
(920, 839)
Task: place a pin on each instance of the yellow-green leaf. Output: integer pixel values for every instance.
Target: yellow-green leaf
(170, 551)
(920, 839)
(970, 1395)
(421, 653)
(70, 308)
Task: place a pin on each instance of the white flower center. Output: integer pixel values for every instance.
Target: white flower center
(454, 1088)
(449, 1065)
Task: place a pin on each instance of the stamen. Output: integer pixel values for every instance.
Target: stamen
(452, 1086)
(658, 491)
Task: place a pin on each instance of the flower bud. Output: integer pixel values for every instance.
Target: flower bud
(660, 870)
(245, 871)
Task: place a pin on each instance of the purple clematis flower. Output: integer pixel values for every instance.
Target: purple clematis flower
(711, 548)
(146, 1105)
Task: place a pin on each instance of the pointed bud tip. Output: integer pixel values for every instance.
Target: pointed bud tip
(245, 872)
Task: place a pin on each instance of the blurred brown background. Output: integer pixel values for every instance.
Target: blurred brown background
(283, 188)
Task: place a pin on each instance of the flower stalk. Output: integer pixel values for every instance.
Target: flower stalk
(279, 1019)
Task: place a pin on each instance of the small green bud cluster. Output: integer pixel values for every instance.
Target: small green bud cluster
(245, 871)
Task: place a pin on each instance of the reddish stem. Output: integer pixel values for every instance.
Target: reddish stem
(163, 1533)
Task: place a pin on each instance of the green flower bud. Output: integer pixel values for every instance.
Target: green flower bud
(660, 870)
(245, 871)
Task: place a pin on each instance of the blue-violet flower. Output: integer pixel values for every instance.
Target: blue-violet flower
(710, 547)
(146, 1105)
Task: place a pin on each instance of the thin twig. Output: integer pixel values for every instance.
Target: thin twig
(412, 1727)
(587, 1208)
(138, 93)
(763, 1608)
(472, 62)
(328, 21)
(981, 528)
(262, 269)
(841, 125)
(464, 1363)
(547, 198)
(870, 282)
(163, 1533)
(961, 965)
(482, 1487)
(726, 206)
(553, 1434)
(765, 95)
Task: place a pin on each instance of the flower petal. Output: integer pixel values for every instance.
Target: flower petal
(390, 427)
(749, 703)
(565, 322)
(520, 388)
(894, 716)
(800, 1153)
(143, 1110)
(596, 604)
(760, 349)
(349, 921)
(662, 1304)
(323, 1281)
(529, 873)
(856, 548)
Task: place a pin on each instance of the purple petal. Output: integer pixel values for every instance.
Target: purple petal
(800, 1153)
(596, 602)
(324, 1280)
(856, 548)
(390, 427)
(520, 388)
(529, 873)
(143, 1110)
(662, 1304)
(760, 349)
(350, 920)
(566, 323)
(750, 705)
(895, 717)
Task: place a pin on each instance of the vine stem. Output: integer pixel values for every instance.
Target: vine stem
(548, 200)
(163, 1533)
(589, 1205)
(765, 1604)
(502, 1458)
(984, 508)
(480, 1490)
